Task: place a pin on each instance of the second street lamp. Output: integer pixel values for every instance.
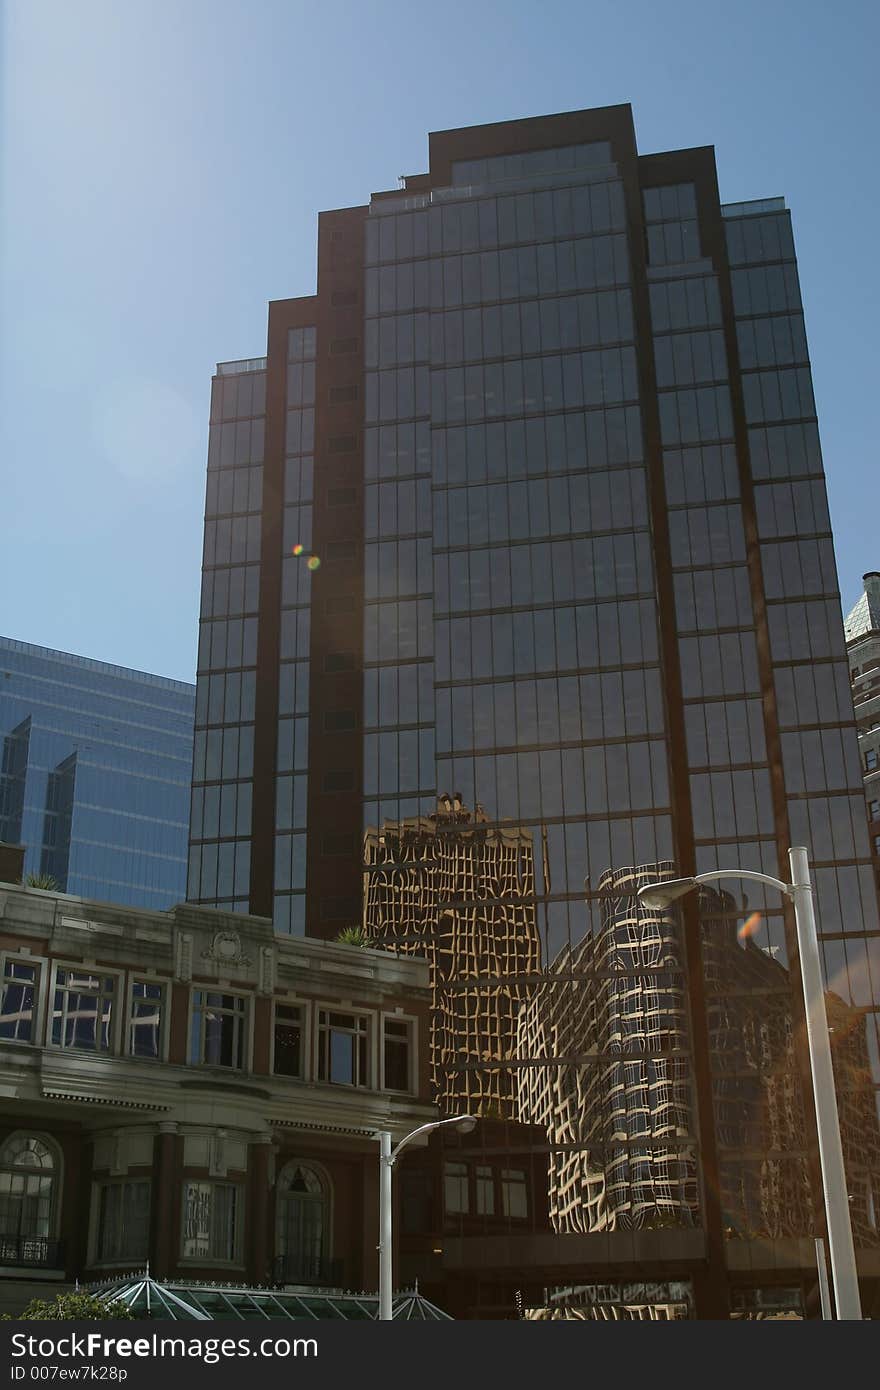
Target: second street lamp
(661, 895)
(387, 1159)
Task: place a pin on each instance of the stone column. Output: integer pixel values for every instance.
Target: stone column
(259, 1180)
(164, 1222)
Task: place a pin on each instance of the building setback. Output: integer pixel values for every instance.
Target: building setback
(95, 774)
(519, 585)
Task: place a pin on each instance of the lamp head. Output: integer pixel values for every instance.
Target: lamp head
(661, 895)
(466, 1124)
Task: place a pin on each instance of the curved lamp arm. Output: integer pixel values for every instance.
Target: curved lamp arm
(466, 1122)
(665, 892)
(785, 888)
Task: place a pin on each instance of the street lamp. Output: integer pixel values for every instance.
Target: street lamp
(387, 1159)
(840, 1241)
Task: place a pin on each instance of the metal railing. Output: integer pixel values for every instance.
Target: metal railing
(753, 207)
(37, 1251)
(244, 364)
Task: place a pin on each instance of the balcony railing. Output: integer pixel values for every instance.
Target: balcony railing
(37, 1251)
(752, 207)
(304, 1269)
(243, 364)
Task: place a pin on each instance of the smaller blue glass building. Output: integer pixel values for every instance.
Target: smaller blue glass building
(95, 774)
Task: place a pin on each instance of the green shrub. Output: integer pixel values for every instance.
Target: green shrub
(353, 936)
(70, 1307)
(44, 881)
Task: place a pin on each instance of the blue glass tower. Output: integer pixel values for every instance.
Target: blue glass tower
(95, 774)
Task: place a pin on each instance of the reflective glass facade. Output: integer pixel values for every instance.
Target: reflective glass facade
(599, 644)
(96, 774)
(223, 754)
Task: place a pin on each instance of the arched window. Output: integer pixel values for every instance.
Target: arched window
(303, 1223)
(30, 1181)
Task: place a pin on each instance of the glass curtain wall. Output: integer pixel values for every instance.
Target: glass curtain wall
(516, 783)
(293, 692)
(516, 777)
(219, 859)
(819, 747)
(95, 776)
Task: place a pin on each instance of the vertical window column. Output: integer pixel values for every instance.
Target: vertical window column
(399, 752)
(220, 828)
(297, 567)
(823, 776)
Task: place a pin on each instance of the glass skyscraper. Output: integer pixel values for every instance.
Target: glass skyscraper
(95, 777)
(520, 593)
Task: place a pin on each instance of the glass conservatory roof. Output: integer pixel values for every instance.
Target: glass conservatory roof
(184, 1301)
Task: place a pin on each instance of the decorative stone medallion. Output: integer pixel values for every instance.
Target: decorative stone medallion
(226, 948)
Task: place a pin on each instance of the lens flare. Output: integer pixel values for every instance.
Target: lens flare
(749, 927)
(297, 550)
(313, 562)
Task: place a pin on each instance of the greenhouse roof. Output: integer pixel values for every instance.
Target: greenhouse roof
(190, 1301)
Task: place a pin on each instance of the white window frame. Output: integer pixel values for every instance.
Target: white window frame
(292, 1002)
(121, 1261)
(412, 1024)
(236, 1261)
(247, 1027)
(137, 977)
(118, 1011)
(25, 958)
(371, 1081)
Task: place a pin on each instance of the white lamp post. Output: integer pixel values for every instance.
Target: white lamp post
(840, 1240)
(387, 1159)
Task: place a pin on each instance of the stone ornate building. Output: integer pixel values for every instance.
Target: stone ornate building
(188, 1089)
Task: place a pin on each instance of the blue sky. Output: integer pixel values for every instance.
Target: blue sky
(163, 163)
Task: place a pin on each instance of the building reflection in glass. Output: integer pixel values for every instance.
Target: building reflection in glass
(610, 1078)
(662, 1301)
(756, 1092)
(588, 1056)
(13, 771)
(857, 1110)
(58, 821)
(461, 892)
